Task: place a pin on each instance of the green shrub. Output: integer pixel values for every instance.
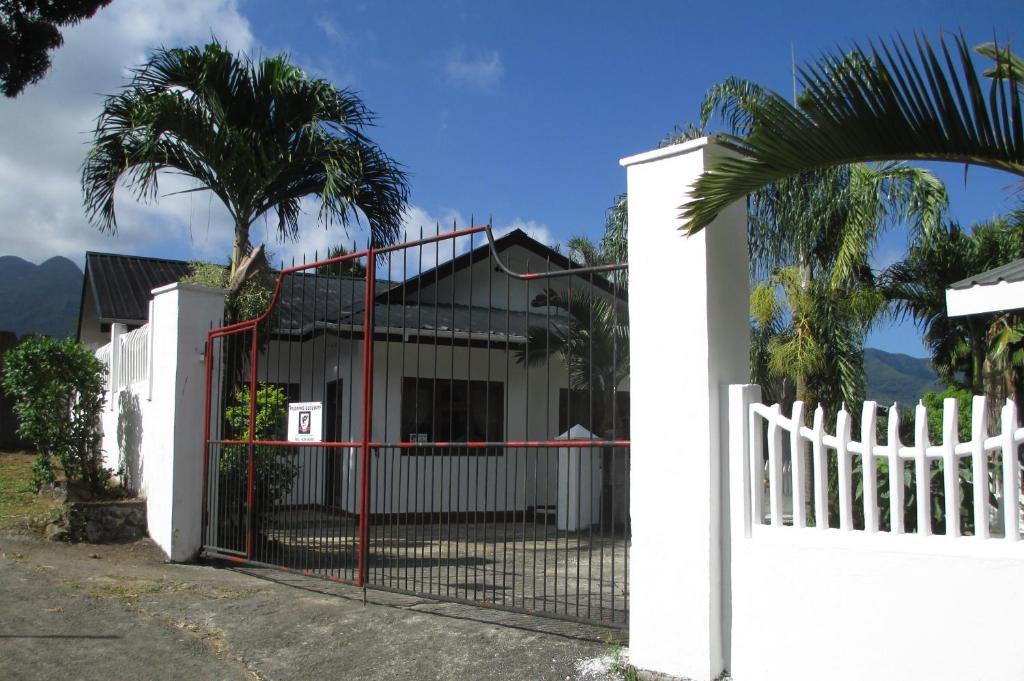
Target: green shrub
(58, 391)
(275, 467)
(252, 298)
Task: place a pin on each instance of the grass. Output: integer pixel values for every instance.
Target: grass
(20, 506)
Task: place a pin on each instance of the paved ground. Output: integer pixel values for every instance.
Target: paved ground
(117, 612)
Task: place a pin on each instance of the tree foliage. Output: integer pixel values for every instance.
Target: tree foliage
(261, 135)
(966, 351)
(29, 31)
(58, 388)
(810, 238)
(346, 268)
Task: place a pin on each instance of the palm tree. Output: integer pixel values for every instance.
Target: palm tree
(888, 103)
(261, 135)
(980, 353)
(810, 237)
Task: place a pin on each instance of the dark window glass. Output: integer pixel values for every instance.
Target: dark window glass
(443, 410)
(579, 409)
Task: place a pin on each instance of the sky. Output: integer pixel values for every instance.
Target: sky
(517, 111)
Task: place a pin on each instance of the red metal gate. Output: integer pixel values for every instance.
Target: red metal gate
(472, 397)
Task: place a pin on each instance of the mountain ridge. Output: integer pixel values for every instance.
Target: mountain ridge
(897, 377)
(41, 298)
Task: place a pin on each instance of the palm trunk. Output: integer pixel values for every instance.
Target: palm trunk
(803, 395)
(241, 245)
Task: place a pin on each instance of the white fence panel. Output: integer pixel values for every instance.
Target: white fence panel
(133, 366)
(993, 460)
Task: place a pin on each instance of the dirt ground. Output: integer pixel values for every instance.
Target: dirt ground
(118, 612)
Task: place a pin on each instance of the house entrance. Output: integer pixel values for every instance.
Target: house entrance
(473, 441)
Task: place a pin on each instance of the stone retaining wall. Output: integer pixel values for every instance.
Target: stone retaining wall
(101, 522)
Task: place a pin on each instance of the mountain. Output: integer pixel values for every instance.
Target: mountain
(894, 377)
(40, 298)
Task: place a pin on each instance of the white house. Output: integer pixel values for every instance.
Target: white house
(449, 366)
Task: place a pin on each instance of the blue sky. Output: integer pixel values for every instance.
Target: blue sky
(517, 110)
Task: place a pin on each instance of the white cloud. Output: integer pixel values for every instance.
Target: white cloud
(46, 131)
(479, 70)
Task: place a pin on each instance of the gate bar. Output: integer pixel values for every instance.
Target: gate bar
(364, 500)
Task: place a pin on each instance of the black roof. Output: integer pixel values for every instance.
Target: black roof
(122, 285)
(1010, 273)
(546, 257)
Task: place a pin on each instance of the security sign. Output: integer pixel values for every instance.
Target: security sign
(305, 421)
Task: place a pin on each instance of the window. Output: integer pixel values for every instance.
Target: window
(445, 410)
(579, 409)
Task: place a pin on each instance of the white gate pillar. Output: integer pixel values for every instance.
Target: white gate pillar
(173, 438)
(689, 339)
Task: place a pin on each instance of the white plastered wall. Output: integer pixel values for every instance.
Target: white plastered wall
(159, 440)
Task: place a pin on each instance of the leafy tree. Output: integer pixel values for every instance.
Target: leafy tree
(29, 31)
(261, 135)
(58, 388)
(345, 268)
(886, 103)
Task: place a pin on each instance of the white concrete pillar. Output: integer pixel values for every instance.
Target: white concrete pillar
(172, 440)
(689, 339)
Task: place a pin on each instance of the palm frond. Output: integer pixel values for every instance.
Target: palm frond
(899, 103)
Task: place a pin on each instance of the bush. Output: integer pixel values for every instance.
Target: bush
(249, 302)
(275, 467)
(58, 391)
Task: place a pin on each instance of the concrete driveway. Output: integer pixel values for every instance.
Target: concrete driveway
(120, 612)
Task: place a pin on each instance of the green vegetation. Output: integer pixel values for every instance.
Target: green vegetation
(345, 268)
(261, 135)
(250, 301)
(810, 237)
(58, 391)
(29, 31)
(983, 353)
(275, 469)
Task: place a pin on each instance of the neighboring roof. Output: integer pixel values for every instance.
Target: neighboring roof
(1010, 272)
(122, 285)
(996, 290)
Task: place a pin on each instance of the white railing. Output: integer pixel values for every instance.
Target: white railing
(103, 355)
(990, 458)
(133, 360)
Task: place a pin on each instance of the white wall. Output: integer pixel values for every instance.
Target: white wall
(161, 438)
(818, 605)
(813, 602)
(477, 482)
(688, 309)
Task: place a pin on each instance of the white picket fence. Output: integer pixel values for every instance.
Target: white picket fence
(993, 459)
(133, 364)
(133, 361)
